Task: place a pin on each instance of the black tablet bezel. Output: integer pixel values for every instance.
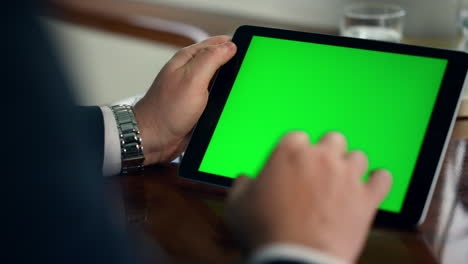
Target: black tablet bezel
(435, 140)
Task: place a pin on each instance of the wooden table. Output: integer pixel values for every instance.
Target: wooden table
(186, 218)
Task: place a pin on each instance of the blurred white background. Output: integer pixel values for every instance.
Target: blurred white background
(107, 67)
(424, 17)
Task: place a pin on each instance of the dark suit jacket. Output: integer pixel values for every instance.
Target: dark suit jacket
(56, 211)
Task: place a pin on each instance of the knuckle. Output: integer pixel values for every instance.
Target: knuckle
(297, 155)
(328, 160)
(336, 137)
(288, 146)
(358, 156)
(184, 52)
(294, 141)
(211, 49)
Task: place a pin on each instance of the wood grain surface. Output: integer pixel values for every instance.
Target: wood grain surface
(186, 218)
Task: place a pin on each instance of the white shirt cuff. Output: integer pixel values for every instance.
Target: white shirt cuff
(292, 252)
(112, 160)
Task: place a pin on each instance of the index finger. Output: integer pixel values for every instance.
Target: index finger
(186, 54)
(334, 142)
(379, 185)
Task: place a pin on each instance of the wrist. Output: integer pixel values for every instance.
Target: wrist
(158, 148)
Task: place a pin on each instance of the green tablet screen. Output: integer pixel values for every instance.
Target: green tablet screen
(382, 102)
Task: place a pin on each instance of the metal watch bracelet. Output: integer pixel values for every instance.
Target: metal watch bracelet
(130, 140)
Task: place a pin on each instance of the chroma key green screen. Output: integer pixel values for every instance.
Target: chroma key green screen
(381, 102)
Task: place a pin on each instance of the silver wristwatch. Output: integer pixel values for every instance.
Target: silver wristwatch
(130, 139)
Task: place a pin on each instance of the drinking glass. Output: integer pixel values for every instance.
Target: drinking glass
(464, 24)
(368, 20)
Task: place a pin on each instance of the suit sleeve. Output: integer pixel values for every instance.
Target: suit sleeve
(57, 209)
(92, 131)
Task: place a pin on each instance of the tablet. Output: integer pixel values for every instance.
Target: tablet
(395, 102)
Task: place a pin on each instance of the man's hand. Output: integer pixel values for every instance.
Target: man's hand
(168, 112)
(311, 196)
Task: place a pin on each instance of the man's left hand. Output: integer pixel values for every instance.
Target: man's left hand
(168, 112)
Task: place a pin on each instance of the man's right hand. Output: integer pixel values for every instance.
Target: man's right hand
(310, 196)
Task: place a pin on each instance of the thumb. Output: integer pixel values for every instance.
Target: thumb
(208, 60)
